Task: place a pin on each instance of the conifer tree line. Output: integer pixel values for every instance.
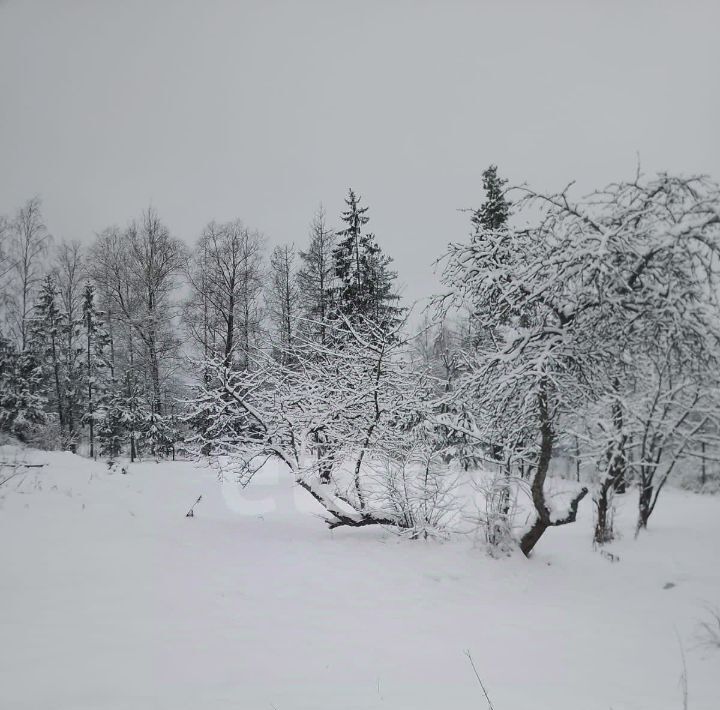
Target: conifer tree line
(575, 337)
(98, 344)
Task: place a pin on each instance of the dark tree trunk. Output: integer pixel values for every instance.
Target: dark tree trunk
(620, 461)
(615, 480)
(155, 376)
(58, 389)
(644, 506)
(544, 520)
(230, 331)
(325, 463)
(90, 389)
(532, 536)
(603, 523)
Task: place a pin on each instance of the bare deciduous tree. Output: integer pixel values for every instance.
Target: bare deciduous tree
(225, 276)
(29, 243)
(316, 277)
(283, 298)
(69, 268)
(154, 259)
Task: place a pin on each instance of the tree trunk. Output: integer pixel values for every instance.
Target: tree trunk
(603, 523)
(620, 462)
(154, 374)
(58, 389)
(324, 462)
(230, 330)
(531, 537)
(90, 390)
(544, 520)
(615, 481)
(644, 506)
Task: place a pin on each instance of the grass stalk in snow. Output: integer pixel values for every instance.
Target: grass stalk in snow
(477, 675)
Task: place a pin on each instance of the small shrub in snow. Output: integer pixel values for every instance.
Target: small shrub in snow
(420, 489)
(496, 513)
(709, 629)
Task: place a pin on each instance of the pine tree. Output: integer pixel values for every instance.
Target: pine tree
(364, 291)
(46, 329)
(492, 215)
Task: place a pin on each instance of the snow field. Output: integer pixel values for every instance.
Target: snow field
(113, 599)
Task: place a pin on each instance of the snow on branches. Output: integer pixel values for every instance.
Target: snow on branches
(331, 415)
(560, 306)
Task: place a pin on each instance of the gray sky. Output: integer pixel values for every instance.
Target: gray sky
(261, 110)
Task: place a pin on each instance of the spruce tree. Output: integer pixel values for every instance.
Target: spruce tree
(495, 211)
(110, 421)
(364, 290)
(45, 333)
(96, 361)
(72, 371)
(133, 412)
(492, 215)
(22, 404)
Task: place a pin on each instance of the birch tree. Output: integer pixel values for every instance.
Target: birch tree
(28, 246)
(69, 269)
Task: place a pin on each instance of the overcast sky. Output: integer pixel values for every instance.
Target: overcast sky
(262, 110)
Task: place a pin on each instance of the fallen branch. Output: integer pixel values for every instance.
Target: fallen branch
(353, 519)
(15, 464)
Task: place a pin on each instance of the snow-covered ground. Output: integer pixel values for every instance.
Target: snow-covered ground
(111, 598)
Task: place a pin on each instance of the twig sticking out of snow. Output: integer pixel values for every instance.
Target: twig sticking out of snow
(684, 674)
(190, 513)
(477, 675)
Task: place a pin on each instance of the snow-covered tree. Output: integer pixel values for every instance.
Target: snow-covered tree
(22, 402)
(675, 398)
(44, 334)
(363, 397)
(564, 299)
(135, 273)
(97, 375)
